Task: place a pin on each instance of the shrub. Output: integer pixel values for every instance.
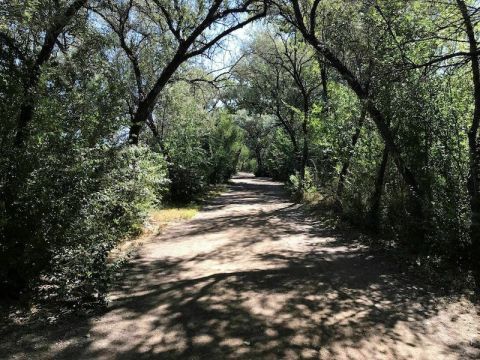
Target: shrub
(298, 188)
(74, 208)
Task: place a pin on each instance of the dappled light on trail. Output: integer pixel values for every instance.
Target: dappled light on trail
(253, 277)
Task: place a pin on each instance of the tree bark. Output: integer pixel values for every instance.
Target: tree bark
(287, 127)
(363, 94)
(260, 169)
(346, 164)
(373, 217)
(146, 105)
(473, 183)
(30, 85)
(305, 148)
(324, 77)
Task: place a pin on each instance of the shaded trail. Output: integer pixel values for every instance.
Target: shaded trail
(253, 277)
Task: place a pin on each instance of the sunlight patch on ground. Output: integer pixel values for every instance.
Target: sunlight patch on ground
(253, 276)
(158, 220)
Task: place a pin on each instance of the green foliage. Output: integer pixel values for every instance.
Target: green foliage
(74, 189)
(202, 148)
(298, 187)
(75, 208)
(279, 158)
(198, 160)
(225, 145)
(114, 190)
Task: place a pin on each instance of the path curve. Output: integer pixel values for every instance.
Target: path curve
(253, 277)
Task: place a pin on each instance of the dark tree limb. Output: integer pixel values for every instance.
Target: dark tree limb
(373, 216)
(53, 32)
(352, 145)
(185, 51)
(473, 183)
(363, 94)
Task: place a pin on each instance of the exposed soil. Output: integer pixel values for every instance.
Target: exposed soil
(253, 277)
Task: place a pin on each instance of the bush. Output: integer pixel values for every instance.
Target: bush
(280, 161)
(201, 154)
(298, 188)
(74, 208)
(225, 149)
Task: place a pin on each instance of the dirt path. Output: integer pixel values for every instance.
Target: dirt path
(252, 277)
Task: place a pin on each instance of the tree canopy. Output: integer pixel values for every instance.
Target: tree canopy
(112, 107)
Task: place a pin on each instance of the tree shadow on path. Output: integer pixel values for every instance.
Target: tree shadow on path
(258, 279)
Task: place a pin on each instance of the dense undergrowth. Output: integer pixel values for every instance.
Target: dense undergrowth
(432, 269)
(75, 202)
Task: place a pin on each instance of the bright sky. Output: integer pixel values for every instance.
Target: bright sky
(231, 47)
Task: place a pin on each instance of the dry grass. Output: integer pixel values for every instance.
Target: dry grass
(258, 278)
(158, 220)
(162, 217)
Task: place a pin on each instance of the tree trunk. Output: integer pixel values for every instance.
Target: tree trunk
(373, 217)
(146, 105)
(305, 149)
(473, 183)
(291, 134)
(346, 164)
(324, 77)
(260, 170)
(24, 118)
(30, 85)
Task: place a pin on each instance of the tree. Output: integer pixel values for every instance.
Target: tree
(473, 142)
(281, 56)
(304, 17)
(32, 64)
(194, 29)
